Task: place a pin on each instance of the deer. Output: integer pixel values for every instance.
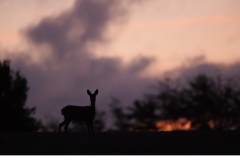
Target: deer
(80, 113)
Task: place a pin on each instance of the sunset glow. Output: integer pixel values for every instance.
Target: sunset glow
(170, 125)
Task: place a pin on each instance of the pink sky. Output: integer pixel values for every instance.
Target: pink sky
(160, 28)
(137, 40)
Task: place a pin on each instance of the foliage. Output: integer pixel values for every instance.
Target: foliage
(207, 102)
(121, 120)
(99, 124)
(15, 116)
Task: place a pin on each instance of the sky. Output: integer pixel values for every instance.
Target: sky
(64, 48)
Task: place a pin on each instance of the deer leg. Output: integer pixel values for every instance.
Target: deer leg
(66, 126)
(60, 126)
(90, 127)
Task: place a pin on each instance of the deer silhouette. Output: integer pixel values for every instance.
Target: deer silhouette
(80, 113)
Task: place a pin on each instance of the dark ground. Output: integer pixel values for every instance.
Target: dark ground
(117, 143)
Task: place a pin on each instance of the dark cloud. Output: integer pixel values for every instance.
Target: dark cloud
(74, 30)
(72, 68)
(198, 65)
(139, 64)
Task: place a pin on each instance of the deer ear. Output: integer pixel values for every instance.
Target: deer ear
(88, 92)
(96, 92)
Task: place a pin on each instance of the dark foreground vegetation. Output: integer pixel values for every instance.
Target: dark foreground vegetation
(122, 143)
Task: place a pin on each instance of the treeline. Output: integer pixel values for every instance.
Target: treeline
(204, 102)
(200, 103)
(15, 115)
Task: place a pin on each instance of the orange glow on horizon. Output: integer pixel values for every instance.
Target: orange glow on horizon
(170, 125)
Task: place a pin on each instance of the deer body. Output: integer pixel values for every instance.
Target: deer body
(80, 113)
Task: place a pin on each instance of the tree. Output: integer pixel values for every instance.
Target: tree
(121, 120)
(142, 115)
(206, 102)
(209, 103)
(15, 116)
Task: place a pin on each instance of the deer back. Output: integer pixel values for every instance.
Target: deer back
(80, 113)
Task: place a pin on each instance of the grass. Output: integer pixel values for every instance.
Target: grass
(122, 143)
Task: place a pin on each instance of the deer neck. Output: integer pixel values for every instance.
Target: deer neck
(93, 105)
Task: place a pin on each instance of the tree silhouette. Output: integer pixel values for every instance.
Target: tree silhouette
(144, 114)
(15, 116)
(207, 102)
(99, 124)
(121, 120)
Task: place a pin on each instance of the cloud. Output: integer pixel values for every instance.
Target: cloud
(75, 30)
(71, 67)
(199, 65)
